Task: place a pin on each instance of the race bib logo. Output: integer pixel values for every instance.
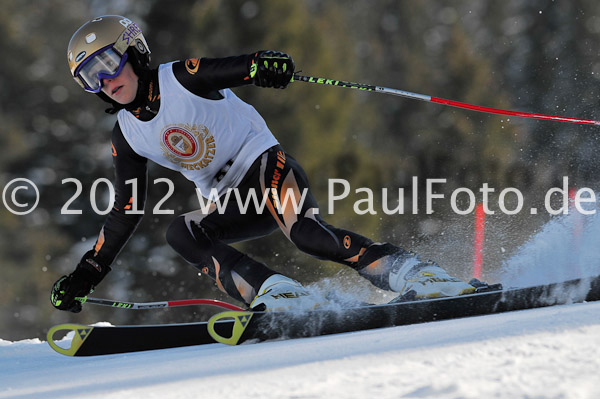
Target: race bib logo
(191, 147)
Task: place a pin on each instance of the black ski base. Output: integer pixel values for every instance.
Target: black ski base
(277, 325)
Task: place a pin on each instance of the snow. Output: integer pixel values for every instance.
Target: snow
(544, 353)
(564, 249)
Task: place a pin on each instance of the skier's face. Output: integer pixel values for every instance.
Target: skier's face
(123, 87)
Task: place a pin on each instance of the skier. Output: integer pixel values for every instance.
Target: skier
(184, 116)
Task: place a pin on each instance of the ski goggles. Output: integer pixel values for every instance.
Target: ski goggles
(105, 63)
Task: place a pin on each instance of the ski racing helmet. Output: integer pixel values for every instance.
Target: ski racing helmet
(100, 48)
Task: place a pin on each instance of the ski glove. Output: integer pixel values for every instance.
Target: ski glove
(68, 291)
(271, 69)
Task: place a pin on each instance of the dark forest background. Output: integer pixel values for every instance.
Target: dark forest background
(536, 56)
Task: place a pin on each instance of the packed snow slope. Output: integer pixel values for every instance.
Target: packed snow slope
(543, 353)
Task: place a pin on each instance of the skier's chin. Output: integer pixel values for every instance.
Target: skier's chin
(123, 94)
(122, 98)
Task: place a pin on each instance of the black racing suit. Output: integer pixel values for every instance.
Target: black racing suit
(203, 238)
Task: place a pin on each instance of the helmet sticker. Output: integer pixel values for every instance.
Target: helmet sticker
(90, 38)
(140, 46)
(79, 56)
(127, 37)
(126, 22)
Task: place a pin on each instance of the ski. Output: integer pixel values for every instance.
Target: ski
(109, 340)
(94, 340)
(236, 327)
(262, 326)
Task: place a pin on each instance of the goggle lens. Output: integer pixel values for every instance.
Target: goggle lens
(105, 64)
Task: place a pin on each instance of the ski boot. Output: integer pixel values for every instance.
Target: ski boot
(280, 293)
(415, 279)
